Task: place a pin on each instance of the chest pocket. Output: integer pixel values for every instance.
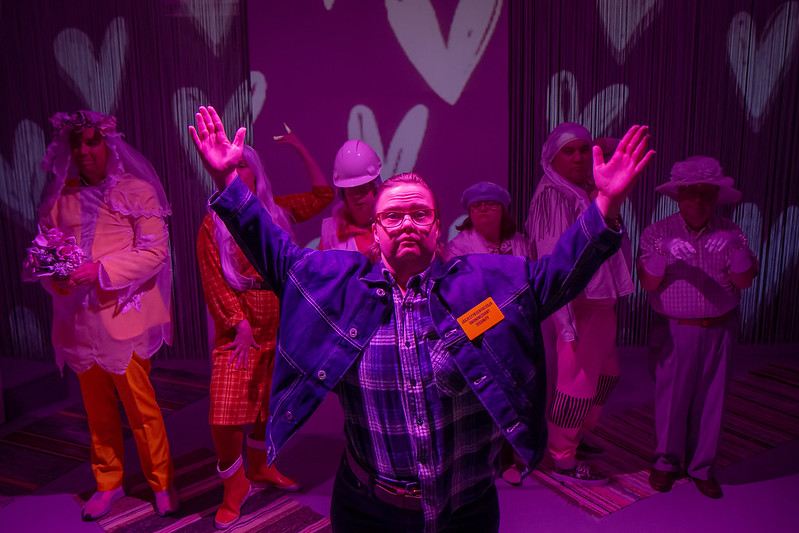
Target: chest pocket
(449, 380)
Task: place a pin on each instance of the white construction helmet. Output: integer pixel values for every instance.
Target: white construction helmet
(355, 164)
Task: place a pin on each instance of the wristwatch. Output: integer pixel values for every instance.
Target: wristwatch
(614, 223)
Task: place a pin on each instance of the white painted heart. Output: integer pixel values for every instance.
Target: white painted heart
(96, 81)
(329, 4)
(782, 259)
(445, 66)
(779, 256)
(257, 93)
(21, 183)
(405, 143)
(213, 19)
(758, 64)
(598, 115)
(747, 216)
(664, 208)
(624, 21)
(185, 102)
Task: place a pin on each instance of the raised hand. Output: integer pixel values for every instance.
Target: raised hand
(616, 178)
(315, 174)
(289, 137)
(218, 154)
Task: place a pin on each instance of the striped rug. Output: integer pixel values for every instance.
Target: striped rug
(43, 451)
(200, 492)
(762, 412)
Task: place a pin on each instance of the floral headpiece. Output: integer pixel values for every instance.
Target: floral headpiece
(66, 123)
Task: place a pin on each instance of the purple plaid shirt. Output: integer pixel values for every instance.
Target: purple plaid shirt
(410, 415)
(699, 287)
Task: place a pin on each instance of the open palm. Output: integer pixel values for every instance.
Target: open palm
(219, 155)
(615, 179)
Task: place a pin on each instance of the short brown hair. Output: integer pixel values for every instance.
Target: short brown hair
(507, 227)
(406, 178)
(373, 253)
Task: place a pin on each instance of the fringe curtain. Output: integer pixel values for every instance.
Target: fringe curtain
(150, 63)
(712, 78)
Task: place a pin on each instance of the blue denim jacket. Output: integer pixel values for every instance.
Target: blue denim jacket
(333, 301)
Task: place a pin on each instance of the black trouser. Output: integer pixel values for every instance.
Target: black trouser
(355, 509)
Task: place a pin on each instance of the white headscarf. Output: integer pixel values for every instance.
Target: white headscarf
(613, 278)
(560, 136)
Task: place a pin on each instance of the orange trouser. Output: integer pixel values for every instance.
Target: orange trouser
(99, 389)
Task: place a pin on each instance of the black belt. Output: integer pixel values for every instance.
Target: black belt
(704, 322)
(402, 494)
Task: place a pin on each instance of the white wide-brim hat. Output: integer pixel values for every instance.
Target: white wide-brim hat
(696, 170)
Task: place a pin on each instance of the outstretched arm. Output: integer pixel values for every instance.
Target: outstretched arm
(218, 154)
(315, 175)
(265, 245)
(616, 178)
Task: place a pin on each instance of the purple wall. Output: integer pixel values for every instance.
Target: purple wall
(426, 83)
(320, 63)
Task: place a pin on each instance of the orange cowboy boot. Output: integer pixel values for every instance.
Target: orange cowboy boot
(262, 475)
(237, 490)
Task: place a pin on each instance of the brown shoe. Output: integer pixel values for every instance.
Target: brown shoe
(709, 487)
(662, 480)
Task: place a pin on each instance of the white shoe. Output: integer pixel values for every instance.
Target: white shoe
(100, 503)
(166, 501)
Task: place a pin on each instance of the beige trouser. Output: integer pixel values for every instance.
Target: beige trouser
(587, 371)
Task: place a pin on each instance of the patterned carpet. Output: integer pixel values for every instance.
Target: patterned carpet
(49, 448)
(762, 412)
(200, 492)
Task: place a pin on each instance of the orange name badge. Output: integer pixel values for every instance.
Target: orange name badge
(480, 318)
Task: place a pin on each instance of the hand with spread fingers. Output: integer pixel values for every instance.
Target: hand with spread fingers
(219, 155)
(616, 178)
(287, 138)
(681, 249)
(721, 240)
(240, 347)
(315, 175)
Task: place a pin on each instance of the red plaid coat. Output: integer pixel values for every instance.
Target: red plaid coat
(239, 396)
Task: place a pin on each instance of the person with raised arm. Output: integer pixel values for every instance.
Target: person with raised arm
(245, 313)
(434, 363)
(586, 363)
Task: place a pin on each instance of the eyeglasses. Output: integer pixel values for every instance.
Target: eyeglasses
(360, 191)
(392, 219)
(487, 205)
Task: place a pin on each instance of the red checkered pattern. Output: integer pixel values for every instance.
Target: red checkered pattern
(239, 395)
